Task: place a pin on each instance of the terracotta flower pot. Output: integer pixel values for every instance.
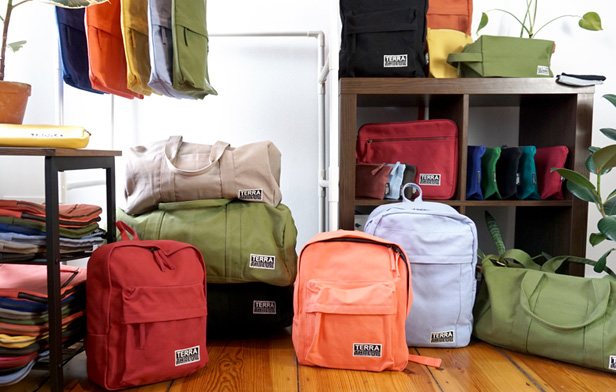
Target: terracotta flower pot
(13, 100)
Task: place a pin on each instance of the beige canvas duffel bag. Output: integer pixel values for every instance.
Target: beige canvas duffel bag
(172, 170)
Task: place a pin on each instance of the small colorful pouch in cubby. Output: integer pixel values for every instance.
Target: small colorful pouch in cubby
(550, 183)
(473, 172)
(507, 171)
(488, 173)
(527, 173)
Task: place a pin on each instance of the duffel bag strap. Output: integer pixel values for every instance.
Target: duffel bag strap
(125, 230)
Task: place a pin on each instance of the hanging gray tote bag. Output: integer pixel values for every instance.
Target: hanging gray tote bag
(172, 170)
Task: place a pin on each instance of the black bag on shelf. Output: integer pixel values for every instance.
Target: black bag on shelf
(384, 38)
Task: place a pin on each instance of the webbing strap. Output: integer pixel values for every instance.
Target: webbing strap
(428, 361)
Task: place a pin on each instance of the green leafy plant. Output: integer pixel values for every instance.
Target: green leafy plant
(6, 19)
(589, 21)
(600, 162)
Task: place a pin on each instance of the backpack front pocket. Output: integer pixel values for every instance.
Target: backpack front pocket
(349, 324)
(148, 342)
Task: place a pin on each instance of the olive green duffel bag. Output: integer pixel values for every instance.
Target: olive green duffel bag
(240, 242)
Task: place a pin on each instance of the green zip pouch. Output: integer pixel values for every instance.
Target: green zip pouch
(489, 187)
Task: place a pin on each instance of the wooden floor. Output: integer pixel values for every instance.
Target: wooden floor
(269, 364)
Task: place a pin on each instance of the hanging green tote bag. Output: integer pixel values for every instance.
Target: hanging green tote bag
(499, 56)
(530, 308)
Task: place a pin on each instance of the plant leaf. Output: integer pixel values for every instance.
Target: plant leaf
(483, 22)
(607, 227)
(611, 98)
(609, 132)
(582, 193)
(611, 194)
(72, 3)
(610, 205)
(495, 233)
(590, 164)
(15, 46)
(596, 238)
(591, 21)
(602, 262)
(575, 177)
(605, 157)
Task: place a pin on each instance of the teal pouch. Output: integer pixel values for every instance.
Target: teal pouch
(527, 174)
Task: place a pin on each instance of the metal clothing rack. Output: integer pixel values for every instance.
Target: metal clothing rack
(58, 160)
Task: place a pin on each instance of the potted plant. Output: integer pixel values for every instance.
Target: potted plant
(600, 162)
(14, 95)
(503, 56)
(589, 21)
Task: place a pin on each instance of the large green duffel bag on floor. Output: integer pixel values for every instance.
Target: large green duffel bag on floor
(240, 242)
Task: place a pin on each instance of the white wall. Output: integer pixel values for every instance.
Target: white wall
(267, 90)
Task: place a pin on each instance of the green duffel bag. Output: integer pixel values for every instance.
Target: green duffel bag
(240, 242)
(500, 56)
(530, 308)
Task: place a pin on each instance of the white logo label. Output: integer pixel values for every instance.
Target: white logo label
(612, 365)
(430, 179)
(262, 261)
(187, 355)
(263, 307)
(543, 70)
(367, 350)
(250, 194)
(395, 60)
(442, 337)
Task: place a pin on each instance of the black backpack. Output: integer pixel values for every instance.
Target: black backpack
(384, 38)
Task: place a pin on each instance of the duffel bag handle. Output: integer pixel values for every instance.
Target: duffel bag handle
(125, 230)
(411, 185)
(554, 263)
(531, 282)
(173, 147)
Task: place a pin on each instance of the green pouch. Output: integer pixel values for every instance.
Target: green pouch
(500, 56)
(527, 174)
(240, 242)
(530, 308)
(489, 186)
(190, 48)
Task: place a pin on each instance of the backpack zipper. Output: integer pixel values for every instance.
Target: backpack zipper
(407, 139)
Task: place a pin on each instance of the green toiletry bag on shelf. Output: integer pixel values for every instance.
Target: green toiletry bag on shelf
(240, 242)
(530, 308)
(500, 56)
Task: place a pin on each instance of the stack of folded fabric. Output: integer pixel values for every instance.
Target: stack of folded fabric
(23, 231)
(24, 317)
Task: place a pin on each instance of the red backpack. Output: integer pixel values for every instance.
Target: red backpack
(147, 309)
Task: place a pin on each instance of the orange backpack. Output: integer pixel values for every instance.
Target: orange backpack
(352, 296)
(450, 14)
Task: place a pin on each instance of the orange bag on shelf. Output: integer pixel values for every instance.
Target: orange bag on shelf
(108, 69)
(450, 14)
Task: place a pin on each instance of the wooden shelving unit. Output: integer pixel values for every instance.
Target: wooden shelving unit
(549, 114)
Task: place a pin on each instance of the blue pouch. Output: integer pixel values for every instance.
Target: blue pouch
(394, 182)
(473, 172)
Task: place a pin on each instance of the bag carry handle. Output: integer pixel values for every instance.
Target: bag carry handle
(412, 185)
(124, 229)
(173, 147)
(461, 57)
(555, 262)
(530, 284)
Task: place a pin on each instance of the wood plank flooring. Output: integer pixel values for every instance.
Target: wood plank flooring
(269, 364)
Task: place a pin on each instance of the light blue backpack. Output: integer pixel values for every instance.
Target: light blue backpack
(441, 245)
